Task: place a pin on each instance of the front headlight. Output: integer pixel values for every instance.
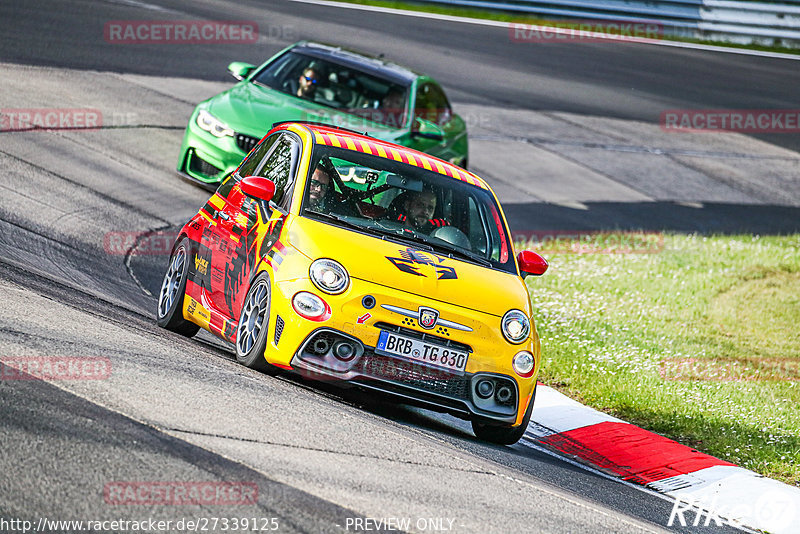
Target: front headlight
(213, 125)
(329, 275)
(515, 326)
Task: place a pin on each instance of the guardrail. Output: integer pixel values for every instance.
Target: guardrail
(754, 22)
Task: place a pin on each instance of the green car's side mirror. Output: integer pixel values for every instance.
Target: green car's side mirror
(426, 129)
(240, 70)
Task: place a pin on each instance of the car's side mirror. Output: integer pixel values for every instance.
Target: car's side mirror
(426, 129)
(240, 70)
(258, 187)
(531, 263)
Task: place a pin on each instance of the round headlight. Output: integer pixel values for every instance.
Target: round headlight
(515, 326)
(309, 305)
(523, 364)
(329, 276)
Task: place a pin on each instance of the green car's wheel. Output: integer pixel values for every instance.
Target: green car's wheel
(169, 313)
(251, 334)
(504, 435)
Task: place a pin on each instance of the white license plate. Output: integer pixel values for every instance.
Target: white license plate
(409, 348)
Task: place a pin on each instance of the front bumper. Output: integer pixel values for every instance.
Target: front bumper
(206, 159)
(412, 382)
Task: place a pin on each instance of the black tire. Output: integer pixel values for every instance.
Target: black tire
(504, 435)
(169, 309)
(251, 332)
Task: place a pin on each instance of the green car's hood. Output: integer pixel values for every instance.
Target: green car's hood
(252, 109)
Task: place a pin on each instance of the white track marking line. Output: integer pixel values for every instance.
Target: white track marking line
(500, 24)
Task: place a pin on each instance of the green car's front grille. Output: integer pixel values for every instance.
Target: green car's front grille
(197, 165)
(246, 142)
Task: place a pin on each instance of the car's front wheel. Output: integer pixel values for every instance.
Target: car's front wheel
(504, 435)
(169, 313)
(251, 334)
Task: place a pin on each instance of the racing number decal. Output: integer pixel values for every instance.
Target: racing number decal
(410, 259)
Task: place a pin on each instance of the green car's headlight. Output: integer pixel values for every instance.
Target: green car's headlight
(213, 125)
(515, 326)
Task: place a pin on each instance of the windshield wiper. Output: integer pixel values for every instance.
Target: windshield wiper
(393, 237)
(463, 254)
(381, 232)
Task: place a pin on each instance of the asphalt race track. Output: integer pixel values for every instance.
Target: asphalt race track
(567, 135)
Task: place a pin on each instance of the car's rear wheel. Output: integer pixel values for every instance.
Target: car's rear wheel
(504, 435)
(251, 334)
(169, 313)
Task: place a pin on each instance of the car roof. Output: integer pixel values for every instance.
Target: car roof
(348, 139)
(358, 60)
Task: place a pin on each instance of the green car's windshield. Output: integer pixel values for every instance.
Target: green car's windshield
(400, 202)
(341, 87)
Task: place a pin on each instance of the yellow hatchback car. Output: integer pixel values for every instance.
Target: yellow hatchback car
(342, 257)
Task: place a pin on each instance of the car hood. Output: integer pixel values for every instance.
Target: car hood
(252, 109)
(409, 269)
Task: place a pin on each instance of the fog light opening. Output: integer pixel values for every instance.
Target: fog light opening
(485, 388)
(320, 346)
(344, 351)
(504, 394)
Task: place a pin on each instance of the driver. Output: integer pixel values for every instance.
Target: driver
(318, 189)
(307, 83)
(417, 212)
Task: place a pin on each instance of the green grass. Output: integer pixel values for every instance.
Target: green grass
(616, 329)
(533, 20)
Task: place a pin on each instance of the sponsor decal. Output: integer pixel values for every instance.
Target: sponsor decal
(410, 259)
(427, 317)
(200, 265)
(229, 330)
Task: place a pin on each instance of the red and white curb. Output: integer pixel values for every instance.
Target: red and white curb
(705, 489)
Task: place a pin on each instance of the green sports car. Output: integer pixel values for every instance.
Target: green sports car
(319, 83)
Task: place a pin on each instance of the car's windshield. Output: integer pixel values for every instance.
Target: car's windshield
(341, 87)
(398, 201)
